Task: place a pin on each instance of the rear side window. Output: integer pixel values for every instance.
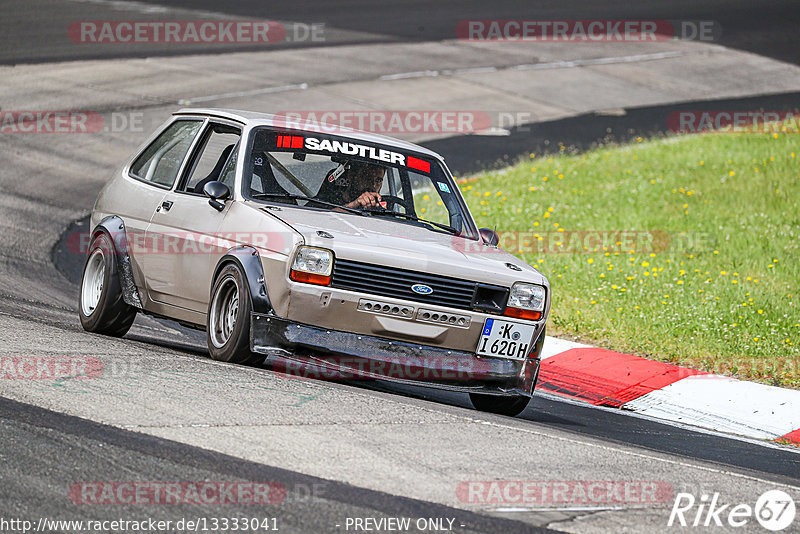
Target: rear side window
(161, 161)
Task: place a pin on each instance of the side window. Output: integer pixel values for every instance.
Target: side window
(161, 161)
(215, 158)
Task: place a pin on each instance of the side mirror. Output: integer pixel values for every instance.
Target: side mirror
(489, 237)
(216, 191)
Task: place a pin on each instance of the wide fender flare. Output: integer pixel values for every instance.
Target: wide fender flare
(248, 259)
(114, 227)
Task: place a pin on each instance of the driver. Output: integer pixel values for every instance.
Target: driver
(354, 185)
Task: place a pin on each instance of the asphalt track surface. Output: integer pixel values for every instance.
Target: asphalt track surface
(764, 28)
(34, 29)
(45, 451)
(50, 450)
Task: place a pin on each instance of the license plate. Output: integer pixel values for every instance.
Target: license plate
(505, 339)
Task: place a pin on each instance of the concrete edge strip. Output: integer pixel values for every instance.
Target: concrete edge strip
(664, 391)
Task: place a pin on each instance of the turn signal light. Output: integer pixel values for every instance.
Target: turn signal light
(519, 313)
(310, 278)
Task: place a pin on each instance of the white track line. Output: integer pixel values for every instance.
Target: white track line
(654, 419)
(724, 404)
(535, 66)
(444, 72)
(262, 91)
(553, 346)
(141, 7)
(716, 403)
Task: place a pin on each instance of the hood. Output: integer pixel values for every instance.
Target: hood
(402, 244)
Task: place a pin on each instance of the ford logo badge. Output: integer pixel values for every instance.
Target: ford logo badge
(421, 289)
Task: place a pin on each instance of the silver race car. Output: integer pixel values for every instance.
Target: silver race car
(326, 254)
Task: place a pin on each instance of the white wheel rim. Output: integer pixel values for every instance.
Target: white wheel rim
(92, 284)
(224, 309)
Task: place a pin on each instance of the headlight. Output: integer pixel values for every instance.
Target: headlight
(527, 296)
(526, 301)
(312, 265)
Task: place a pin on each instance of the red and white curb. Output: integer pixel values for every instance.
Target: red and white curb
(606, 378)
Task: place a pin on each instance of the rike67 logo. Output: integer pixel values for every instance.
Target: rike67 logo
(774, 510)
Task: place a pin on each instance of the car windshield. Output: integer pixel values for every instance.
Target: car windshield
(317, 171)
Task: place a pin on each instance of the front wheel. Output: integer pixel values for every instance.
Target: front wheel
(228, 320)
(511, 406)
(101, 307)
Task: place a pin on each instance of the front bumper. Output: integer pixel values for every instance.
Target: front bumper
(306, 351)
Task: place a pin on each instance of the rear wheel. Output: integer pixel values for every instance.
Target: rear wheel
(228, 320)
(510, 406)
(101, 307)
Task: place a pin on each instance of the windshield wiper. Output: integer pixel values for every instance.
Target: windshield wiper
(417, 219)
(290, 196)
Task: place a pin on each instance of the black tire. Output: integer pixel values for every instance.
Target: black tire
(230, 342)
(100, 304)
(511, 406)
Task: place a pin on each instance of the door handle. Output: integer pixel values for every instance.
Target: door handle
(166, 205)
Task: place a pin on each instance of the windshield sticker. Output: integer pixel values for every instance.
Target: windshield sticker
(419, 164)
(290, 141)
(443, 187)
(353, 149)
(336, 173)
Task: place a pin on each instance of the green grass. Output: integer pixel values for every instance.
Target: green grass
(720, 295)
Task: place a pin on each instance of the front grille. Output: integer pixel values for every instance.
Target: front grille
(397, 283)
